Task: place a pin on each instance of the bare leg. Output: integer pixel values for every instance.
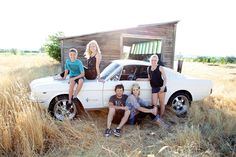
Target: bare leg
(124, 119)
(71, 89)
(78, 88)
(110, 116)
(161, 96)
(154, 102)
(154, 99)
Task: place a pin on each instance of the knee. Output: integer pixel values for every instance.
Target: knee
(127, 112)
(111, 110)
(81, 81)
(72, 82)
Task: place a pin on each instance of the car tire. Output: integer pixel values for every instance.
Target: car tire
(179, 103)
(57, 108)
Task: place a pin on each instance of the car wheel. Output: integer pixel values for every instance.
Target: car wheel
(59, 111)
(180, 103)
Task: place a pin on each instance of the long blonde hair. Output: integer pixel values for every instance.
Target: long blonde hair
(88, 52)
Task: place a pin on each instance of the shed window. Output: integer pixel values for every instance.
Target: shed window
(150, 47)
(143, 50)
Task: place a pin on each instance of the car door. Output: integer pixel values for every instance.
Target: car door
(145, 88)
(91, 94)
(109, 85)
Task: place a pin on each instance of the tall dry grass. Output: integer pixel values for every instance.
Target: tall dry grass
(27, 130)
(25, 127)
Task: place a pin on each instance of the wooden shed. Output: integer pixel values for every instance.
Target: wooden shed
(134, 43)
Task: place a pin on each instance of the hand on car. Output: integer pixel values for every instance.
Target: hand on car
(162, 89)
(101, 80)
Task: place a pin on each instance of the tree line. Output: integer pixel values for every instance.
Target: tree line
(221, 60)
(17, 51)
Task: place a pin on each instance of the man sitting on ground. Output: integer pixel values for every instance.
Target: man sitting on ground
(118, 113)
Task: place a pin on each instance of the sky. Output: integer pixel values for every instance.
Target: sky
(206, 27)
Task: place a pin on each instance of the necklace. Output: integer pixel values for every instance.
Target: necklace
(153, 67)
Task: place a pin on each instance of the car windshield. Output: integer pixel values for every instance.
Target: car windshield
(108, 70)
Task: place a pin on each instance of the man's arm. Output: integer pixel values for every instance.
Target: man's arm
(117, 107)
(80, 76)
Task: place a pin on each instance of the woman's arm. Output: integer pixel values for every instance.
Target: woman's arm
(163, 74)
(145, 110)
(98, 60)
(142, 79)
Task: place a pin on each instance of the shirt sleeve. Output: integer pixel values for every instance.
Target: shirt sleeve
(112, 100)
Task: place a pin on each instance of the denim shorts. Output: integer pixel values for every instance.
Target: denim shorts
(157, 89)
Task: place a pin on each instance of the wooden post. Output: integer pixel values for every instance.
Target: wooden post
(179, 67)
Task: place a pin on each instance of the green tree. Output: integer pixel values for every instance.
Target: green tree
(230, 59)
(13, 51)
(52, 46)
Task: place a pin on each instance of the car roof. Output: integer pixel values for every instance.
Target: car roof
(131, 62)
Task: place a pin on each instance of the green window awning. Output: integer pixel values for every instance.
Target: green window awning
(150, 47)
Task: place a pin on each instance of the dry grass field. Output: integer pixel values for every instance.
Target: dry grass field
(27, 130)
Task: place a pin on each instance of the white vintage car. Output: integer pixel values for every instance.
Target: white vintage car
(181, 90)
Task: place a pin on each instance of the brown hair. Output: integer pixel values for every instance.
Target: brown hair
(119, 86)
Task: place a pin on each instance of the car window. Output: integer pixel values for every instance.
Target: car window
(116, 76)
(108, 70)
(142, 72)
(132, 72)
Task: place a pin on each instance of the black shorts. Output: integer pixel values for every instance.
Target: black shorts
(157, 89)
(119, 114)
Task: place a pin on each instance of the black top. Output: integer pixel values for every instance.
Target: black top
(92, 63)
(155, 77)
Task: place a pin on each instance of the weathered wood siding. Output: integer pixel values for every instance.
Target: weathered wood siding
(110, 42)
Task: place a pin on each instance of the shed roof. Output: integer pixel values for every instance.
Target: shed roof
(143, 25)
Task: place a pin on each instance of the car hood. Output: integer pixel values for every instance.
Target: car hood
(49, 83)
(44, 81)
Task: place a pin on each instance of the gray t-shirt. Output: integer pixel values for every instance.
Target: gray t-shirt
(118, 101)
(133, 103)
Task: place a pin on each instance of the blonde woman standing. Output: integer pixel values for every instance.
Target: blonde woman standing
(93, 55)
(158, 80)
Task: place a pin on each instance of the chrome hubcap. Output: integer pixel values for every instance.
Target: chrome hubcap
(60, 111)
(180, 104)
